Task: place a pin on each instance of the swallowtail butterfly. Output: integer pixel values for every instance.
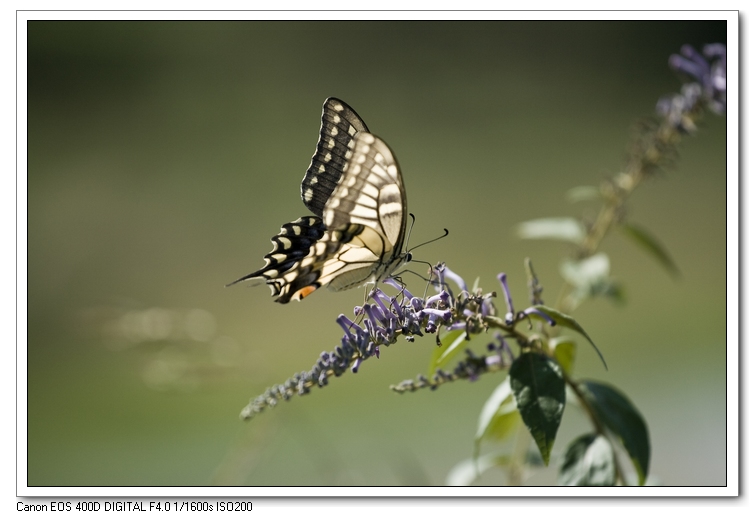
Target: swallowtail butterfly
(354, 188)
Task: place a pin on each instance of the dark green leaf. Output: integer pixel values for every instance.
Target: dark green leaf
(562, 320)
(618, 414)
(650, 244)
(540, 392)
(450, 344)
(588, 462)
(561, 228)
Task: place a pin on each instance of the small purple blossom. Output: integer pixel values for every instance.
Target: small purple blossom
(440, 271)
(391, 282)
(455, 278)
(507, 293)
(444, 315)
(441, 298)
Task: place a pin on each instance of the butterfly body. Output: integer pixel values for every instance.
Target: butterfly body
(355, 189)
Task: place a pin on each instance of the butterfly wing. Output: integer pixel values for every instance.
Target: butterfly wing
(340, 124)
(355, 186)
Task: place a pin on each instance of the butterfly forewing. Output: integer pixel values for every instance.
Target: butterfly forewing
(371, 192)
(339, 126)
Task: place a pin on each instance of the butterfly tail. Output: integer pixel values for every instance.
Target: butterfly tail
(292, 244)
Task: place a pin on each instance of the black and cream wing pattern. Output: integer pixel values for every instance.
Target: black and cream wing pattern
(355, 191)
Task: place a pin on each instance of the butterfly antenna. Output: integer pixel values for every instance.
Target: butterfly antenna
(409, 233)
(429, 281)
(445, 234)
(412, 272)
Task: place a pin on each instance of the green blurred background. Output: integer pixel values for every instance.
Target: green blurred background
(164, 155)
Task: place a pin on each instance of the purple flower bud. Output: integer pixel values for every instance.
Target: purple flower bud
(505, 285)
(456, 279)
(715, 50)
(392, 326)
(690, 53)
(369, 326)
(374, 314)
(445, 315)
(386, 314)
(346, 323)
(687, 67)
(394, 284)
(443, 296)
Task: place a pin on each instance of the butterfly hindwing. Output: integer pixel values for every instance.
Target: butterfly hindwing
(340, 124)
(302, 248)
(293, 243)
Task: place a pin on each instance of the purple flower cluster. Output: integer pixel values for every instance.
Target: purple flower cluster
(707, 86)
(384, 318)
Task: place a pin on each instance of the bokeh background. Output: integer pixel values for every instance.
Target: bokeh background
(164, 155)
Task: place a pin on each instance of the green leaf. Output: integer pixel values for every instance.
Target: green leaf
(562, 320)
(588, 462)
(585, 193)
(499, 415)
(650, 244)
(450, 344)
(618, 414)
(540, 392)
(465, 472)
(559, 228)
(564, 351)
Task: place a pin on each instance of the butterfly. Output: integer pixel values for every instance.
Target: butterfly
(355, 190)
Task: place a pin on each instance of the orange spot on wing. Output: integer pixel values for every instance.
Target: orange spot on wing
(304, 292)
